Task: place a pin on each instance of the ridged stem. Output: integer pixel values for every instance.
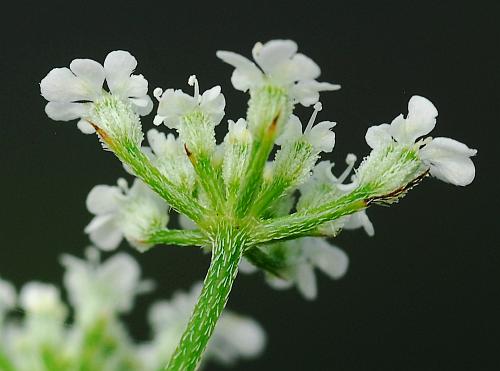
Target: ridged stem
(227, 248)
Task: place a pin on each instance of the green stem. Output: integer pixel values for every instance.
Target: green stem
(180, 237)
(227, 248)
(208, 179)
(303, 223)
(140, 164)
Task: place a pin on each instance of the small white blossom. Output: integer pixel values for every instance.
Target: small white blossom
(72, 91)
(175, 105)
(319, 136)
(300, 258)
(7, 297)
(98, 289)
(447, 159)
(278, 64)
(122, 212)
(234, 337)
(171, 159)
(324, 186)
(42, 299)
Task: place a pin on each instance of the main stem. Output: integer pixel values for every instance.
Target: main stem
(227, 248)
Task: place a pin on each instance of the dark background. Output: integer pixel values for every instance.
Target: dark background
(423, 294)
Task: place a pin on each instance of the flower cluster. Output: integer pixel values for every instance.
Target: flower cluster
(98, 293)
(124, 212)
(261, 199)
(72, 92)
(398, 144)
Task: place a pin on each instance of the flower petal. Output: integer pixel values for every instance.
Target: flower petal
(85, 127)
(306, 92)
(358, 220)
(119, 65)
(173, 105)
(306, 281)
(104, 233)
(328, 258)
(420, 121)
(246, 73)
(449, 161)
(91, 73)
(103, 199)
(63, 111)
(291, 132)
(321, 137)
(142, 106)
(272, 54)
(61, 85)
(378, 136)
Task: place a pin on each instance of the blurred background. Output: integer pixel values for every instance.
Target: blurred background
(422, 294)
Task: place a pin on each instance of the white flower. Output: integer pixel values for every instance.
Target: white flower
(301, 257)
(42, 299)
(171, 159)
(98, 289)
(175, 105)
(72, 91)
(319, 136)
(7, 297)
(280, 65)
(234, 337)
(447, 159)
(122, 212)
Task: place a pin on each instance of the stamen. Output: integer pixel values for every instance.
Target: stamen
(157, 93)
(350, 160)
(317, 107)
(193, 81)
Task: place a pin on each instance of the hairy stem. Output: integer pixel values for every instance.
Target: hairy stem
(140, 164)
(227, 248)
(180, 237)
(305, 222)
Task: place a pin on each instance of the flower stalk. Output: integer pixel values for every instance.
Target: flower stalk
(227, 248)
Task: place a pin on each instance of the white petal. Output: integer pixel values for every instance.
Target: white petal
(246, 73)
(378, 136)
(213, 103)
(273, 53)
(122, 273)
(247, 267)
(85, 127)
(291, 132)
(305, 68)
(449, 161)
(173, 105)
(90, 72)
(119, 65)
(61, 85)
(358, 220)
(142, 106)
(306, 92)
(321, 137)
(306, 281)
(104, 233)
(7, 296)
(330, 259)
(420, 121)
(137, 86)
(103, 199)
(60, 111)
